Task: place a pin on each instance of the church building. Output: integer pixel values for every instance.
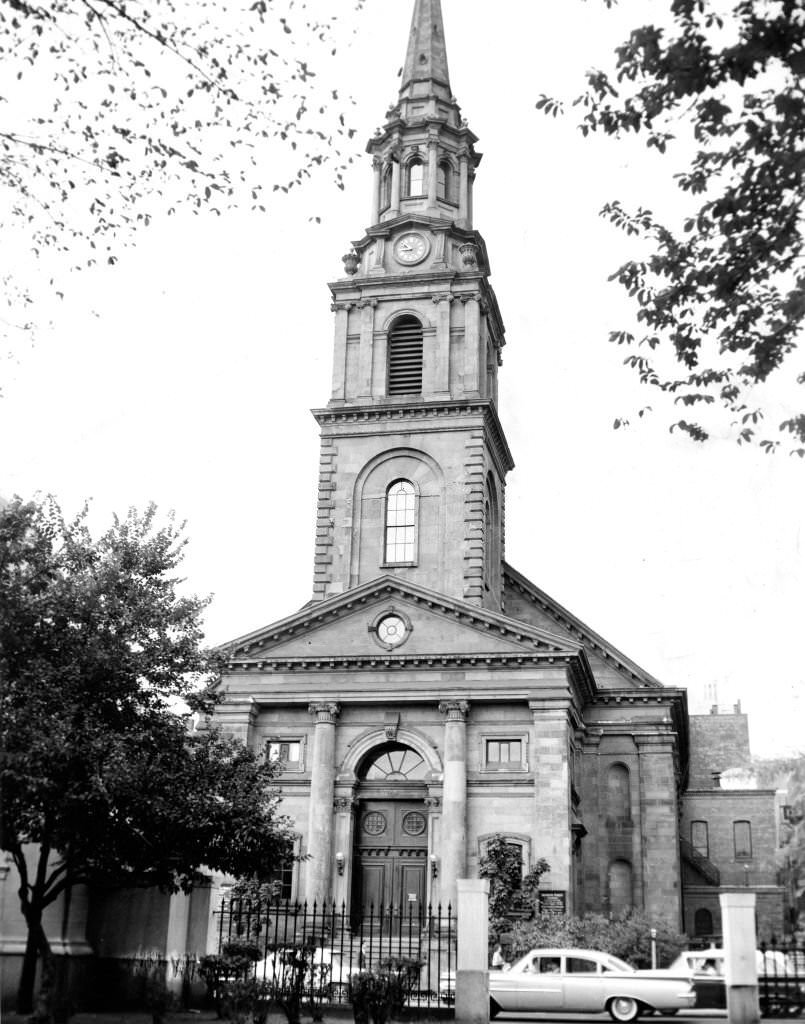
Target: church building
(430, 696)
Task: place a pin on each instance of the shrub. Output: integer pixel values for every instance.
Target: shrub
(627, 937)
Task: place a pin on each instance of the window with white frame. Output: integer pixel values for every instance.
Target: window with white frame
(286, 753)
(504, 752)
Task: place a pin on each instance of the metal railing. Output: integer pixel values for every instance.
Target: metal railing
(322, 951)
(781, 978)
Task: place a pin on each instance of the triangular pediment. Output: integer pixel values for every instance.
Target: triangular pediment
(435, 625)
(611, 668)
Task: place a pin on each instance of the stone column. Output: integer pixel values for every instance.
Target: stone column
(553, 838)
(463, 188)
(453, 863)
(433, 168)
(367, 348)
(740, 963)
(440, 377)
(377, 178)
(472, 963)
(472, 342)
(395, 185)
(322, 788)
(341, 310)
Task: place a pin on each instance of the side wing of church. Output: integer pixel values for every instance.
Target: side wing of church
(429, 696)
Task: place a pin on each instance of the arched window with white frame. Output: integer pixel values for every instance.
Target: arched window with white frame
(415, 177)
(400, 530)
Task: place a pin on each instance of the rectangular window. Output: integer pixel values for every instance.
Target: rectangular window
(288, 752)
(284, 881)
(787, 812)
(699, 838)
(504, 753)
(742, 835)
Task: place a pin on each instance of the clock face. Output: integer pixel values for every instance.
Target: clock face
(411, 248)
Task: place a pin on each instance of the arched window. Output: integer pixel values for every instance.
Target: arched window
(400, 523)
(443, 181)
(619, 802)
(393, 762)
(416, 177)
(405, 357)
(619, 880)
(742, 835)
(699, 838)
(385, 189)
(702, 922)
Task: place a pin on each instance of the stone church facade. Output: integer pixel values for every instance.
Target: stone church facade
(429, 695)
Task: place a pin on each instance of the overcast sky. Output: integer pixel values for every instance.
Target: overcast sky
(185, 375)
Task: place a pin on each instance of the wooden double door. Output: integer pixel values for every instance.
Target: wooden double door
(391, 857)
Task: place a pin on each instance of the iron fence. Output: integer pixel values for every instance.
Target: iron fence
(781, 978)
(322, 951)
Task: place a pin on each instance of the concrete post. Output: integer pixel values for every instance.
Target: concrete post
(472, 963)
(322, 789)
(454, 800)
(740, 961)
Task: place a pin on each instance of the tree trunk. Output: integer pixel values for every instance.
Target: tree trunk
(37, 945)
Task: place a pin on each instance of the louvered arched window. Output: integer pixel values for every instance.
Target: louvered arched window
(385, 189)
(405, 357)
(400, 543)
(416, 177)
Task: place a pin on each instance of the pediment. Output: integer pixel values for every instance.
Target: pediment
(346, 626)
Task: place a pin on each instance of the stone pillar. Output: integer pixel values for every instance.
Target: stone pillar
(553, 838)
(367, 348)
(472, 342)
(433, 171)
(472, 962)
(440, 377)
(662, 876)
(341, 310)
(322, 787)
(463, 189)
(237, 718)
(395, 185)
(344, 868)
(377, 182)
(740, 962)
(454, 801)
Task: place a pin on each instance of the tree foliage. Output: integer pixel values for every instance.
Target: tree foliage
(113, 112)
(627, 937)
(102, 780)
(720, 297)
(510, 891)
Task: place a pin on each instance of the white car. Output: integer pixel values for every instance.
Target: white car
(586, 981)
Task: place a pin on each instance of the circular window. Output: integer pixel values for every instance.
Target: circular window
(374, 824)
(391, 630)
(414, 823)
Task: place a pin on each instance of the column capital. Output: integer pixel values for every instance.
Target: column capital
(433, 803)
(345, 804)
(325, 711)
(368, 304)
(442, 297)
(338, 307)
(454, 710)
(377, 163)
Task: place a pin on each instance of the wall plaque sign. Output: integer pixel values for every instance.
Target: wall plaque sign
(553, 902)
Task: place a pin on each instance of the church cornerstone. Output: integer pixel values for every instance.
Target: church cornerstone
(472, 965)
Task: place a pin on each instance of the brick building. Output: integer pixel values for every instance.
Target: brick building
(729, 828)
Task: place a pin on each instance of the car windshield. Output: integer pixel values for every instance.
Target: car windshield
(612, 963)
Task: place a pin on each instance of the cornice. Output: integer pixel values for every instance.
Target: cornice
(520, 659)
(424, 410)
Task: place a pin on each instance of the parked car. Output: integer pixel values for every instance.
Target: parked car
(586, 981)
(327, 972)
(780, 986)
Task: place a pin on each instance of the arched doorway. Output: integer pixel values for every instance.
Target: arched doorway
(390, 857)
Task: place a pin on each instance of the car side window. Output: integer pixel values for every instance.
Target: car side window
(549, 965)
(580, 965)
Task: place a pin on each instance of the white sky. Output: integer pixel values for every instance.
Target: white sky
(186, 374)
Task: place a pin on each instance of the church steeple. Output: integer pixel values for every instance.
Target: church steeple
(413, 457)
(425, 70)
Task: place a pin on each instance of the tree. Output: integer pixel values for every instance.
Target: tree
(720, 298)
(116, 112)
(509, 889)
(99, 770)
